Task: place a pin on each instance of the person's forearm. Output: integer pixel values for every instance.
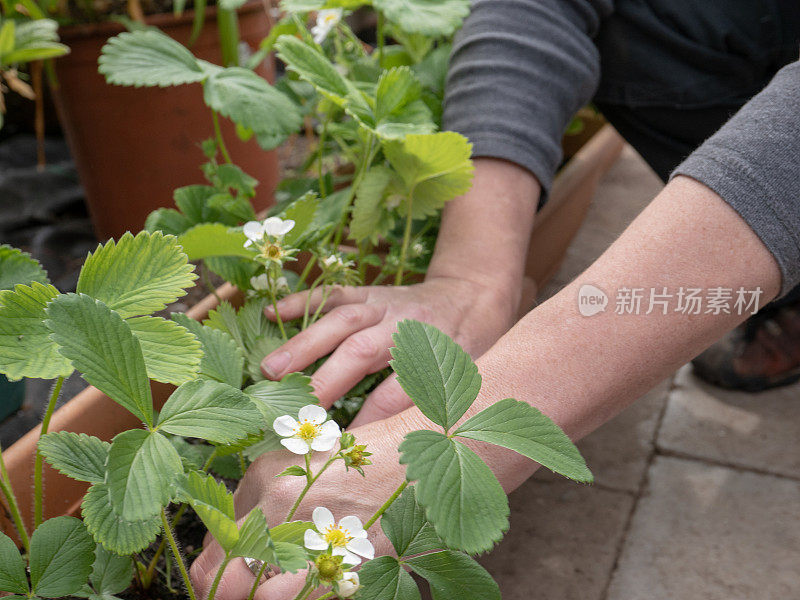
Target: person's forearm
(581, 371)
(484, 234)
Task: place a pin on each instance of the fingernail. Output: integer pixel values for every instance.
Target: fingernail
(276, 363)
(269, 308)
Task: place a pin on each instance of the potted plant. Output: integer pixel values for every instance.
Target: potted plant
(113, 131)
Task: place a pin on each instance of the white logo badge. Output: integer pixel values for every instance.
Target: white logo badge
(591, 300)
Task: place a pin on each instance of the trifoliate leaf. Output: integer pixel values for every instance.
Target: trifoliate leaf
(522, 428)
(428, 17)
(371, 219)
(12, 568)
(192, 201)
(168, 221)
(103, 348)
(291, 557)
(148, 58)
(454, 576)
(110, 529)
(171, 353)
(383, 578)
(435, 372)
(435, 169)
(461, 496)
(260, 348)
(213, 503)
(137, 275)
(250, 101)
(141, 472)
(62, 553)
(254, 539)
(222, 359)
(214, 239)
(225, 319)
(397, 87)
(210, 410)
(111, 573)
(26, 349)
(313, 66)
(405, 525)
(18, 267)
(284, 397)
(76, 455)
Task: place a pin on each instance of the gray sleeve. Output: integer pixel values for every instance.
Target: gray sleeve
(519, 71)
(753, 163)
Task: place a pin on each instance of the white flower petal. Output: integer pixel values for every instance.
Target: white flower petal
(277, 227)
(248, 243)
(353, 526)
(323, 443)
(348, 585)
(296, 445)
(253, 230)
(348, 558)
(260, 282)
(323, 519)
(312, 413)
(362, 547)
(314, 541)
(285, 426)
(330, 428)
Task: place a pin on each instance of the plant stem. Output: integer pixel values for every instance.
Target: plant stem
(218, 578)
(160, 550)
(386, 505)
(326, 596)
(326, 292)
(306, 270)
(398, 278)
(309, 482)
(278, 319)
(308, 300)
(257, 582)
(209, 460)
(39, 460)
(220, 141)
(13, 507)
(177, 554)
(321, 151)
(242, 464)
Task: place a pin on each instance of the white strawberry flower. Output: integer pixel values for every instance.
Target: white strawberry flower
(281, 284)
(326, 20)
(348, 539)
(310, 432)
(348, 585)
(260, 282)
(253, 231)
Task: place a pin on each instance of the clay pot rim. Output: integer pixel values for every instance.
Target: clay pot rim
(161, 20)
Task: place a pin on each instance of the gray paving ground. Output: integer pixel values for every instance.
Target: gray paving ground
(698, 489)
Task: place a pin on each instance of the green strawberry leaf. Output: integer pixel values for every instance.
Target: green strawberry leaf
(406, 526)
(141, 472)
(210, 410)
(62, 553)
(214, 239)
(435, 372)
(429, 17)
(171, 353)
(461, 496)
(383, 578)
(103, 348)
(18, 267)
(137, 275)
(108, 528)
(26, 349)
(111, 573)
(222, 360)
(13, 577)
(254, 539)
(520, 427)
(76, 455)
(371, 218)
(284, 397)
(148, 57)
(213, 503)
(454, 576)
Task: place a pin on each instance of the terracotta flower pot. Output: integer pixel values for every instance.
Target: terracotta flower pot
(94, 413)
(134, 146)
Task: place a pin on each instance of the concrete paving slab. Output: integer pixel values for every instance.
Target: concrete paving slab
(712, 533)
(562, 543)
(757, 431)
(618, 453)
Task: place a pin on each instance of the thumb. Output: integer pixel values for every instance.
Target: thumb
(236, 581)
(386, 400)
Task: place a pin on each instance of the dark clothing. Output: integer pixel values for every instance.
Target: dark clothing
(667, 73)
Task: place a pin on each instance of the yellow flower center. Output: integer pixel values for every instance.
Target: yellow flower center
(307, 431)
(328, 19)
(337, 537)
(272, 251)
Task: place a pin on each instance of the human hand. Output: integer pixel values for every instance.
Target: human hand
(358, 329)
(275, 496)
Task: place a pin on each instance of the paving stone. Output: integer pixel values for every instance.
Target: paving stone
(711, 533)
(619, 451)
(758, 431)
(562, 543)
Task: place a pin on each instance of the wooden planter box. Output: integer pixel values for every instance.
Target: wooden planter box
(94, 413)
